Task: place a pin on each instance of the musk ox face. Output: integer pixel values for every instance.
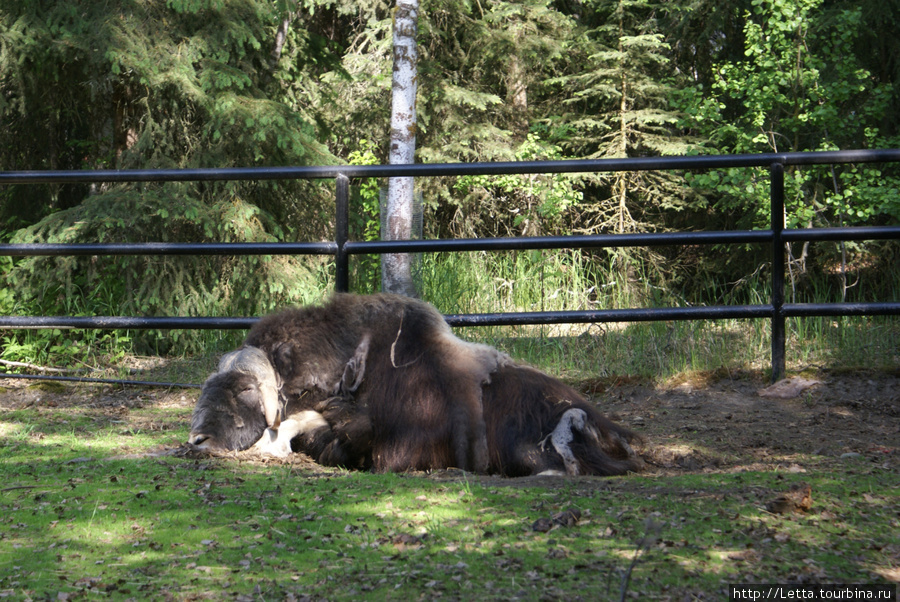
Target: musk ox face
(230, 412)
(253, 361)
(240, 408)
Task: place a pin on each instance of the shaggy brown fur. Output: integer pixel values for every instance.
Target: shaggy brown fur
(522, 407)
(400, 392)
(421, 387)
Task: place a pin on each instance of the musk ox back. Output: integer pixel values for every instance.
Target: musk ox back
(398, 391)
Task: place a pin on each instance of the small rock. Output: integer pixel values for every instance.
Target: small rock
(787, 388)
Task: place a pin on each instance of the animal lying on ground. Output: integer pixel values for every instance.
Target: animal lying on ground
(381, 382)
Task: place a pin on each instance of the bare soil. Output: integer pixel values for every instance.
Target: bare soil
(720, 422)
(703, 422)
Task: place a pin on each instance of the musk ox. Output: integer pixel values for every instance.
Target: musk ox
(380, 381)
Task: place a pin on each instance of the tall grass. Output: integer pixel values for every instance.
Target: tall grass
(551, 280)
(570, 280)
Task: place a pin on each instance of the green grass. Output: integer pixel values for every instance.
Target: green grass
(662, 350)
(550, 281)
(84, 513)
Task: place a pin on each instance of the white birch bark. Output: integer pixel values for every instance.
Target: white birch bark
(396, 267)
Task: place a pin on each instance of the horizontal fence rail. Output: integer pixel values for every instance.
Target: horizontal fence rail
(595, 241)
(341, 248)
(704, 162)
(163, 248)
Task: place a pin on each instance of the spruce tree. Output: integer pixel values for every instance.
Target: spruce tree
(163, 84)
(619, 105)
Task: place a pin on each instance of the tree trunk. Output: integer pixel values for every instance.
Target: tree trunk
(280, 39)
(396, 267)
(517, 92)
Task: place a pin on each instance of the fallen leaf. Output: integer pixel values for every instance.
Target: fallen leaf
(798, 499)
(567, 518)
(403, 541)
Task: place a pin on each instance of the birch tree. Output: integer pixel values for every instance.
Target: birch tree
(396, 267)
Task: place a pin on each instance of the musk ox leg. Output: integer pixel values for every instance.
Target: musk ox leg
(575, 420)
(350, 432)
(331, 438)
(522, 405)
(477, 363)
(276, 440)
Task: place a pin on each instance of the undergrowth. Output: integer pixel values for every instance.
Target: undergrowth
(517, 281)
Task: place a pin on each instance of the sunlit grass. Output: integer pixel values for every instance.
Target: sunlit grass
(89, 521)
(554, 281)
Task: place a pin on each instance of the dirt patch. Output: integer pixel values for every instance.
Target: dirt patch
(706, 422)
(720, 422)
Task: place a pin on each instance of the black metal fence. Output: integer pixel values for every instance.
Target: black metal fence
(342, 248)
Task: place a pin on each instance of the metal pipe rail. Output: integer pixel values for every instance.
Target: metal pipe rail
(451, 169)
(342, 248)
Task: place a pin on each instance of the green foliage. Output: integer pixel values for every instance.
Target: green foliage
(365, 221)
(159, 285)
(535, 203)
(365, 213)
(144, 84)
(481, 73)
(618, 91)
(219, 83)
(798, 87)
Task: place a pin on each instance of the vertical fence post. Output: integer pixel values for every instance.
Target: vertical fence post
(779, 338)
(341, 234)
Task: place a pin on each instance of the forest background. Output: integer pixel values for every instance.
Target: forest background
(130, 84)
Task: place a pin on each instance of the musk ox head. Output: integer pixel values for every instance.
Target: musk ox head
(228, 415)
(237, 403)
(253, 361)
